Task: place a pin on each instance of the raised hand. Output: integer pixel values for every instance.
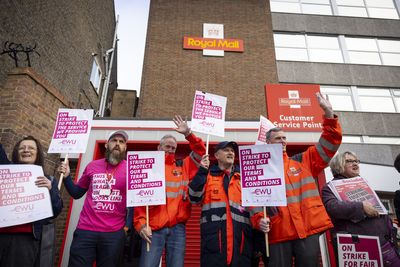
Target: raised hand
(325, 105)
(181, 125)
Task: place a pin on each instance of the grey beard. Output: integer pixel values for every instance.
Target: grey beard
(114, 159)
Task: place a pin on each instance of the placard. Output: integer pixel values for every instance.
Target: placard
(262, 175)
(71, 132)
(21, 200)
(146, 178)
(208, 115)
(359, 251)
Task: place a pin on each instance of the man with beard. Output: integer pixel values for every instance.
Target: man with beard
(100, 235)
(167, 222)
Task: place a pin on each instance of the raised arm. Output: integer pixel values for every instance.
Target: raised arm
(317, 157)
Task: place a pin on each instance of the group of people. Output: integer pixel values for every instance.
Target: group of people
(226, 226)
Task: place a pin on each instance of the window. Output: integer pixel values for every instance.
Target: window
(383, 140)
(318, 7)
(95, 76)
(375, 100)
(373, 51)
(299, 47)
(340, 97)
(354, 139)
(333, 49)
(352, 98)
(358, 139)
(384, 9)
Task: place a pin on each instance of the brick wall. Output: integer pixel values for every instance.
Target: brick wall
(124, 103)
(171, 74)
(66, 34)
(28, 106)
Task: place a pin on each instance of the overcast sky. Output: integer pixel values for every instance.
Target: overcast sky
(132, 27)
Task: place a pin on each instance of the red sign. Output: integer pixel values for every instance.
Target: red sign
(294, 107)
(198, 43)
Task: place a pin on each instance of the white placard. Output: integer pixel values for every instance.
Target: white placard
(71, 132)
(145, 178)
(21, 201)
(208, 115)
(262, 175)
(265, 126)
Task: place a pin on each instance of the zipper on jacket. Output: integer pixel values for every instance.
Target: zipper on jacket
(219, 240)
(242, 243)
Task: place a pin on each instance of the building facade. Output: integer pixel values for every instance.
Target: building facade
(350, 48)
(171, 74)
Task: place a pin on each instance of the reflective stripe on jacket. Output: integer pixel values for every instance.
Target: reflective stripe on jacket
(225, 225)
(177, 176)
(305, 214)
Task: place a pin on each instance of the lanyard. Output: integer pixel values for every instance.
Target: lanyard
(110, 175)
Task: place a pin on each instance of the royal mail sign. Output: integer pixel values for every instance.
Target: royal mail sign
(294, 107)
(197, 43)
(213, 43)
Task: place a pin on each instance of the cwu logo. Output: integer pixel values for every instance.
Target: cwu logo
(24, 208)
(68, 142)
(261, 192)
(145, 193)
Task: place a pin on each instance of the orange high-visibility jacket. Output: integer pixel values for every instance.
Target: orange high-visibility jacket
(177, 177)
(305, 214)
(226, 234)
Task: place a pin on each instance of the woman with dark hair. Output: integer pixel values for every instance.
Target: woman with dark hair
(358, 218)
(20, 245)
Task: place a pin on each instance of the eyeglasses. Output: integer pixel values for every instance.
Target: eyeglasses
(29, 148)
(352, 161)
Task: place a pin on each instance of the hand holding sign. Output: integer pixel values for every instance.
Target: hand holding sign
(146, 234)
(42, 181)
(205, 162)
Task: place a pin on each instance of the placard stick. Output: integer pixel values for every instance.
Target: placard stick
(147, 226)
(207, 142)
(62, 174)
(266, 235)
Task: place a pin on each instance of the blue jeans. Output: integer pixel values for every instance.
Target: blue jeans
(174, 241)
(104, 247)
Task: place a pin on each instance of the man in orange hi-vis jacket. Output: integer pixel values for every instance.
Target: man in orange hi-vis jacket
(225, 225)
(167, 222)
(295, 228)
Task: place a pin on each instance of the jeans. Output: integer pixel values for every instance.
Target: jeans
(174, 241)
(104, 247)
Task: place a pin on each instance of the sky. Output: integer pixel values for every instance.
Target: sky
(132, 28)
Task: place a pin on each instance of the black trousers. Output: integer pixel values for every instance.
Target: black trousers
(19, 250)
